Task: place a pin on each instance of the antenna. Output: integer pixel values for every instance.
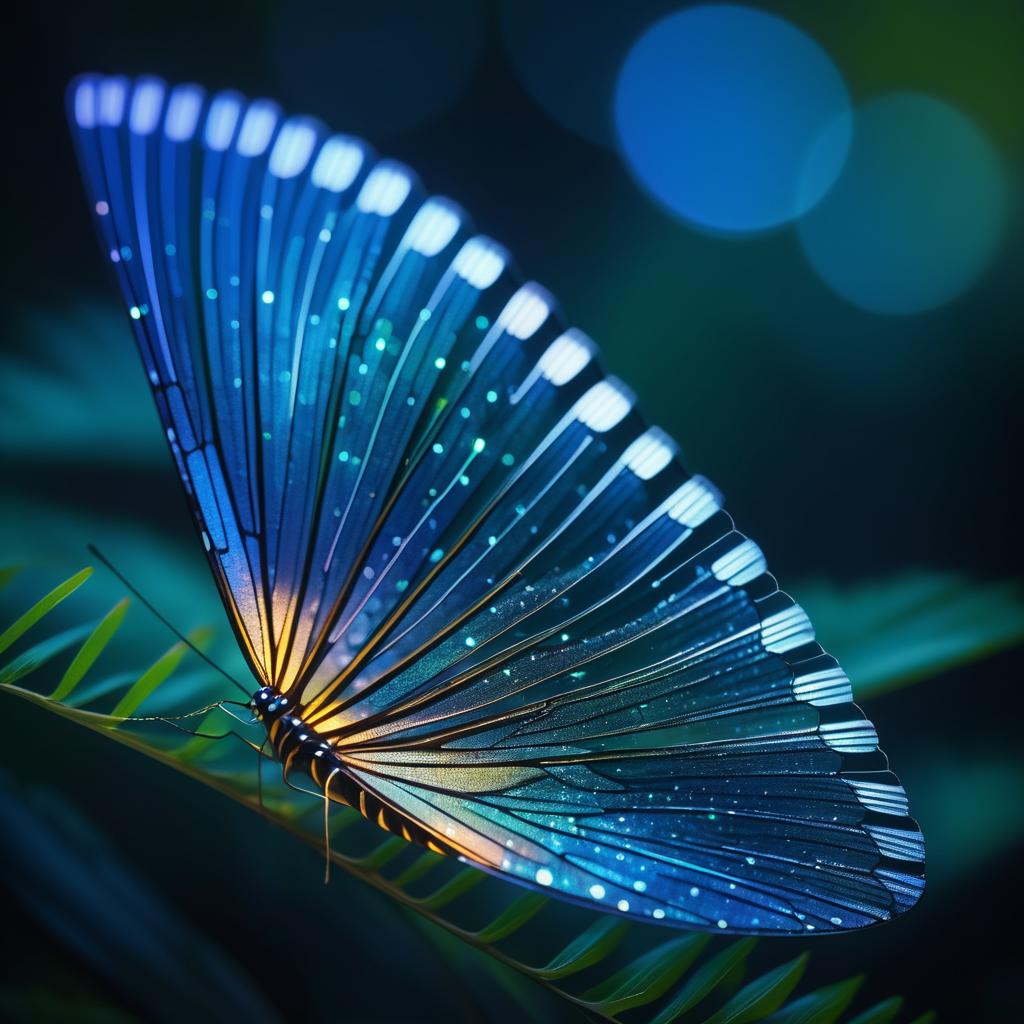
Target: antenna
(148, 604)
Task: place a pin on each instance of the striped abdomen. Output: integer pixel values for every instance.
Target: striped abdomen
(300, 748)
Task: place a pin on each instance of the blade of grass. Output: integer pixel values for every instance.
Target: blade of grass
(763, 995)
(158, 673)
(42, 607)
(91, 650)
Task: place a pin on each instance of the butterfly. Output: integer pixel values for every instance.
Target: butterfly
(482, 600)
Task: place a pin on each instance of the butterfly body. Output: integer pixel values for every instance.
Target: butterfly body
(299, 748)
(492, 608)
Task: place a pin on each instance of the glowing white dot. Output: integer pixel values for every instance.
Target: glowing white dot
(695, 891)
(183, 110)
(597, 891)
(102, 208)
(723, 924)
(267, 297)
(337, 164)
(623, 905)
(526, 311)
(433, 227)
(544, 877)
(658, 914)
(343, 303)
(480, 262)
(639, 885)
(293, 148)
(135, 312)
(385, 189)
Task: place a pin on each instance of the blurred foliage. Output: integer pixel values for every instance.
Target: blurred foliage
(608, 968)
(60, 368)
(893, 631)
(43, 1007)
(988, 820)
(70, 879)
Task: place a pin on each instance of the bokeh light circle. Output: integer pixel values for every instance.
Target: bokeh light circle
(918, 211)
(375, 69)
(716, 109)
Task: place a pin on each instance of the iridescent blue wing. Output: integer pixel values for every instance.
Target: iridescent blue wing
(441, 528)
(254, 255)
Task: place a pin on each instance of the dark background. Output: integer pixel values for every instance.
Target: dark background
(855, 447)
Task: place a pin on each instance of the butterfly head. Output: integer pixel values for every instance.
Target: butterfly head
(268, 704)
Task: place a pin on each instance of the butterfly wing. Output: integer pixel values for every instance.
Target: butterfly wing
(439, 525)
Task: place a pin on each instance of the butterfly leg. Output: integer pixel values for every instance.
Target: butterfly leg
(327, 829)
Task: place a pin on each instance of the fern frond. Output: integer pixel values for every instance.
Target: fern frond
(609, 969)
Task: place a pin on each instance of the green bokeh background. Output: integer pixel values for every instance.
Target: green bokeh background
(859, 450)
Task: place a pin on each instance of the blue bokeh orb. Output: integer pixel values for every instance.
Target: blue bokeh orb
(716, 109)
(917, 213)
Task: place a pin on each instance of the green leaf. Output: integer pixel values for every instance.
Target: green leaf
(822, 1007)
(158, 673)
(468, 878)
(38, 655)
(881, 1013)
(512, 918)
(91, 650)
(383, 854)
(425, 862)
(588, 948)
(705, 980)
(762, 996)
(42, 607)
(648, 976)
